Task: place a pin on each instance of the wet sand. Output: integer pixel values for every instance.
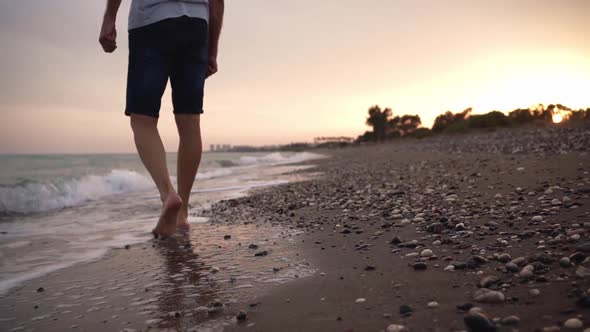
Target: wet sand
(483, 232)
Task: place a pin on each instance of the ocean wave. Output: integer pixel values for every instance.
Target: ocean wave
(32, 196)
(275, 158)
(213, 173)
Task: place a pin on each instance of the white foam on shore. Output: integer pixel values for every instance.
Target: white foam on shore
(34, 196)
(50, 195)
(277, 158)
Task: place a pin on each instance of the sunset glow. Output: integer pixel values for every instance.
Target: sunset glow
(294, 73)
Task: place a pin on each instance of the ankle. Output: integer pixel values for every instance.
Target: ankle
(166, 194)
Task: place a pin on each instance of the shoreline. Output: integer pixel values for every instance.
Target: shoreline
(377, 233)
(40, 243)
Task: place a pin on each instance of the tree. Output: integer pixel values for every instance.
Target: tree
(387, 127)
(447, 119)
(379, 120)
(409, 124)
(489, 120)
(521, 116)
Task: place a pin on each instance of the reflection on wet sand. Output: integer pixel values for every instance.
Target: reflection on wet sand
(219, 263)
(187, 286)
(162, 285)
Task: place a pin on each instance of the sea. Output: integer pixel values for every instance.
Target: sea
(60, 210)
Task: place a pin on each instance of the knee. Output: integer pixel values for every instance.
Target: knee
(187, 123)
(139, 122)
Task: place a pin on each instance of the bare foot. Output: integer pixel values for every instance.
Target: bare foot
(182, 222)
(167, 223)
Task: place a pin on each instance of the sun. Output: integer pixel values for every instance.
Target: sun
(557, 118)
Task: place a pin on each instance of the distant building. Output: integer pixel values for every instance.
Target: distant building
(220, 148)
(339, 139)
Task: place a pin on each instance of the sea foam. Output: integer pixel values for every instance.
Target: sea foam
(33, 196)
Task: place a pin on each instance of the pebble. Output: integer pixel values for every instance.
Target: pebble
(360, 300)
(565, 262)
(261, 253)
(519, 261)
(537, 219)
(426, 253)
(510, 320)
(488, 281)
(214, 269)
(534, 292)
(504, 258)
(478, 322)
(215, 307)
(405, 310)
(432, 304)
(573, 323)
(396, 328)
(511, 267)
(449, 268)
(527, 271)
(419, 266)
(241, 316)
(488, 296)
(526, 274)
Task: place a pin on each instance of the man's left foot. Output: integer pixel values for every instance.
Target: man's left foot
(182, 224)
(167, 223)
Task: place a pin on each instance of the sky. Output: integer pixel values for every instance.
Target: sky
(293, 70)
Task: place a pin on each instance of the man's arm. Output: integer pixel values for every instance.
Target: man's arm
(216, 8)
(108, 32)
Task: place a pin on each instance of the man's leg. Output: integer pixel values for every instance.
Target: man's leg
(152, 154)
(189, 157)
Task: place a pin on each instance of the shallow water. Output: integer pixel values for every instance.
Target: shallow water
(163, 284)
(118, 207)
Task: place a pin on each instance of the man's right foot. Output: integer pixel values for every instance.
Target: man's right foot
(167, 223)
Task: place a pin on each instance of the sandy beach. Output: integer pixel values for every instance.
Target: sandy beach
(478, 232)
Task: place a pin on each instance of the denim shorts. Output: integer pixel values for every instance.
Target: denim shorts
(174, 48)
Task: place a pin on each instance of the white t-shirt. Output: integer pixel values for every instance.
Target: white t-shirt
(144, 12)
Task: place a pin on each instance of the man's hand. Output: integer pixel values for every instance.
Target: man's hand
(216, 8)
(108, 35)
(212, 67)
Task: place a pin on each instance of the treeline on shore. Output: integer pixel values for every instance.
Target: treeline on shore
(385, 126)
